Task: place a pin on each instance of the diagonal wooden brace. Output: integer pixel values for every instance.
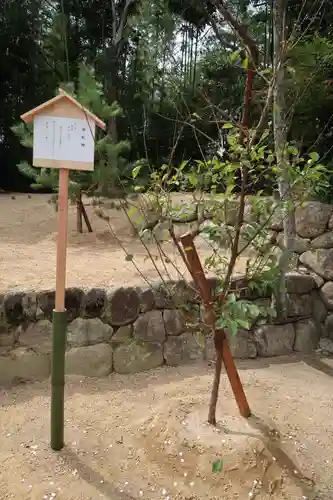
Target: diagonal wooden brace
(200, 279)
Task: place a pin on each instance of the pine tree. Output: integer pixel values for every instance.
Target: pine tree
(111, 167)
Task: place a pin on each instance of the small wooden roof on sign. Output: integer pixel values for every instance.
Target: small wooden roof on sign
(57, 105)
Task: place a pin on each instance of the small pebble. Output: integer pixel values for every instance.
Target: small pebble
(182, 460)
(101, 481)
(140, 493)
(191, 483)
(185, 474)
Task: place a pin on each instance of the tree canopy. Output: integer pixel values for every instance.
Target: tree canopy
(176, 69)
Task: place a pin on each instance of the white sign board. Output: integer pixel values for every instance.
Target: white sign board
(64, 139)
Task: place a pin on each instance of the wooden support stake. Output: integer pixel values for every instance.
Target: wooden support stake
(199, 277)
(79, 226)
(219, 334)
(59, 320)
(86, 218)
(62, 240)
(235, 380)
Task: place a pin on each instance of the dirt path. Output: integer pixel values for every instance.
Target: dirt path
(28, 226)
(144, 436)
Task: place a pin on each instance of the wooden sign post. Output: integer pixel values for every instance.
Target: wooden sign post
(64, 138)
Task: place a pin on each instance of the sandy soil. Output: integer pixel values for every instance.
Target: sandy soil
(28, 226)
(144, 436)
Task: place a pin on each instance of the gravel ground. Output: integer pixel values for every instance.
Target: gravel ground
(144, 436)
(28, 226)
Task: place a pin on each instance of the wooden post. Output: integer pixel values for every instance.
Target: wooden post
(59, 320)
(79, 226)
(62, 240)
(219, 335)
(64, 138)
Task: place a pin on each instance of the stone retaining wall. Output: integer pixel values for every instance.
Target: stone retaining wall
(135, 329)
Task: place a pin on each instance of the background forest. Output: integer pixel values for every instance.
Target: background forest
(169, 73)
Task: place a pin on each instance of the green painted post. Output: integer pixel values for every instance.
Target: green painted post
(58, 379)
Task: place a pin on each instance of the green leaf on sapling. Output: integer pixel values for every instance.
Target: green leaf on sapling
(136, 171)
(314, 156)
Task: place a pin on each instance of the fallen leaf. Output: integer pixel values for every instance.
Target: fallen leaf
(217, 466)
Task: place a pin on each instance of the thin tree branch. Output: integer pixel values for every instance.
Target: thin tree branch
(122, 23)
(264, 114)
(219, 34)
(240, 29)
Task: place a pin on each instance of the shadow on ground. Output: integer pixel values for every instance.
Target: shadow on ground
(12, 395)
(93, 477)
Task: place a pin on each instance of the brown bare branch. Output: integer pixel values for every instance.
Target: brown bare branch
(240, 29)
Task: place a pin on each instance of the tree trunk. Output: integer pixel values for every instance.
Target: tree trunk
(252, 50)
(112, 122)
(111, 75)
(280, 141)
(218, 342)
